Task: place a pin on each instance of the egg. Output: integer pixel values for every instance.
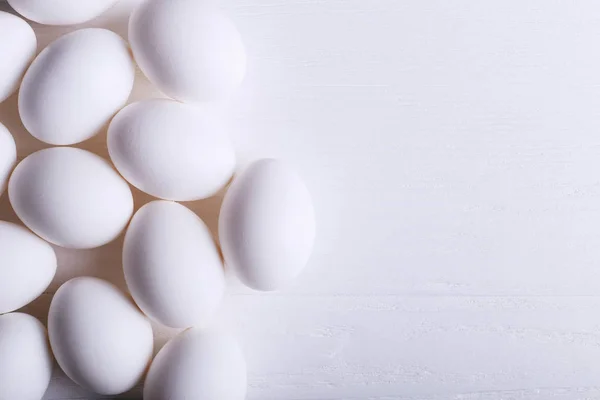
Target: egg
(70, 197)
(60, 12)
(8, 156)
(91, 77)
(171, 150)
(18, 45)
(198, 365)
(27, 268)
(99, 337)
(189, 49)
(172, 266)
(25, 358)
(267, 225)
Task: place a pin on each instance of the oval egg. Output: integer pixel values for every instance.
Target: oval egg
(172, 266)
(60, 12)
(267, 225)
(18, 45)
(171, 150)
(99, 337)
(92, 77)
(8, 156)
(27, 267)
(197, 365)
(189, 49)
(70, 197)
(25, 358)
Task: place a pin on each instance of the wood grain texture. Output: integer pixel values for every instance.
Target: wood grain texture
(453, 152)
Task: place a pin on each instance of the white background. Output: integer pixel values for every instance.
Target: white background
(453, 151)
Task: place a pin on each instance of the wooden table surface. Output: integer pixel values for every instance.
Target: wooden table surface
(453, 152)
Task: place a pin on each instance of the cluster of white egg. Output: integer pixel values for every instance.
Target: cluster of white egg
(170, 149)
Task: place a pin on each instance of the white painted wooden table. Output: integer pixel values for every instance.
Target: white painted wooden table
(453, 151)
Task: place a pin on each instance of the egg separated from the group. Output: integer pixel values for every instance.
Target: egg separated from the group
(267, 225)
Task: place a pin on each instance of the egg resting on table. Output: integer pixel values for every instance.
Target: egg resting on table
(18, 45)
(99, 337)
(92, 77)
(188, 48)
(267, 225)
(70, 197)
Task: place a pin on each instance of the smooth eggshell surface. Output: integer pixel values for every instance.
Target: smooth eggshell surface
(172, 266)
(198, 365)
(188, 48)
(60, 12)
(18, 45)
(27, 266)
(99, 337)
(91, 77)
(171, 150)
(70, 197)
(25, 358)
(267, 225)
(8, 156)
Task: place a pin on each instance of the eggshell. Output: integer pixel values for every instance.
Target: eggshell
(25, 358)
(172, 266)
(171, 150)
(188, 48)
(61, 12)
(70, 197)
(91, 77)
(98, 336)
(198, 365)
(267, 225)
(18, 45)
(27, 266)
(8, 156)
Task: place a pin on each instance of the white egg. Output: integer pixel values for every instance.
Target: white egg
(189, 49)
(8, 156)
(267, 225)
(91, 77)
(172, 266)
(171, 150)
(70, 197)
(25, 358)
(198, 365)
(27, 267)
(18, 45)
(61, 12)
(99, 337)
